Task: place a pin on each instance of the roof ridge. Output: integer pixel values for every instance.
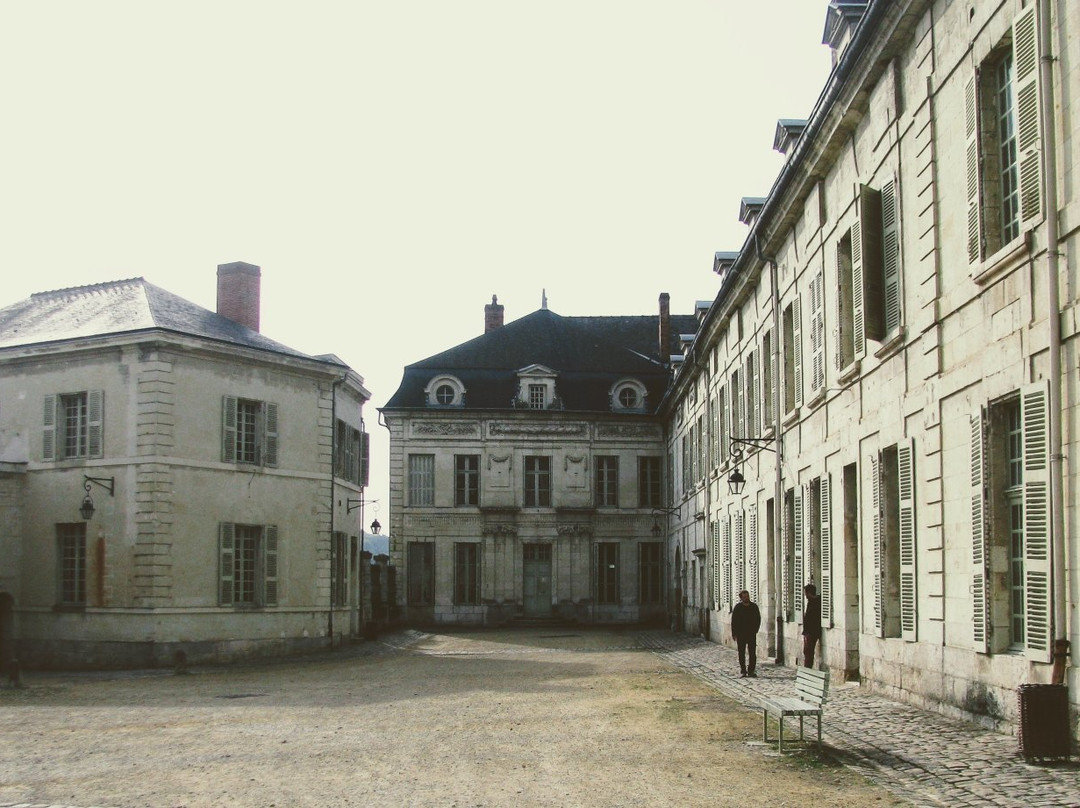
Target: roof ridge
(94, 287)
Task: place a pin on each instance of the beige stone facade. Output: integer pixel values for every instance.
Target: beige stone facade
(887, 340)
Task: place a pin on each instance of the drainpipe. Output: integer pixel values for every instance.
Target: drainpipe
(1050, 186)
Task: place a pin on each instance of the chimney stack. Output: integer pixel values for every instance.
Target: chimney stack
(493, 315)
(665, 328)
(238, 293)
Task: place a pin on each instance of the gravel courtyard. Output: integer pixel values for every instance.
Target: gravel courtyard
(486, 718)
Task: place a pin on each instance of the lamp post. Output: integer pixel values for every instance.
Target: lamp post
(86, 509)
(350, 506)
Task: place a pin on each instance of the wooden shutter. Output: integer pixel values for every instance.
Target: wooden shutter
(716, 564)
(270, 430)
(740, 553)
(755, 382)
(825, 514)
(1028, 143)
(48, 431)
(725, 549)
(817, 331)
(798, 562)
(877, 535)
(774, 388)
(228, 429)
(980, 602)
(1034, 415)
(226, 555)
(270, 565)
(905, 458)
(873, 273)
(95, 423)
(785, 570)
(796, 348)
(858, 293)
(973, 151)
(752, 552)
(890, 256)
(365, 459)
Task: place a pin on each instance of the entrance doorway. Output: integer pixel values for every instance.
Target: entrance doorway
(537, 572)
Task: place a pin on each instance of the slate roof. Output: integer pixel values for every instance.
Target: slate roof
(123, 307)
(589, 354)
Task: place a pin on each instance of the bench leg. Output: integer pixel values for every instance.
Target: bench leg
(765, 725)
(780, 742)
(819, 731)
(802, 731)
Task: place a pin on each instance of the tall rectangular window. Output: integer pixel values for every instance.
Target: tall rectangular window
(249, 431)
(792, 325)
(248, 565)
(421, 479)
(607, 573)
(339, 580)
(466, 573)
(768, 390)
(607, 481)
(537, 481)
(350, 453)
(74, 425)
(537, 396)
(466, 480)
(421, 571)
(650, 573)
(71, 550)
(845, 304)
(753, 413)
(649, 482)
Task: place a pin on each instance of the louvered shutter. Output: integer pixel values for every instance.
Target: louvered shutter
(740, 553)
(905, 456)
(878, 538)
(752, 552)
(725, 549)
(973, 151)
(785, 570)
(817, 332)
(95, 423)
(270, 565)
(1035, 417)
(270, 426)
(228, 429)
(48, 431)
(755, 383)
(1028, 143)
(858, 293)
(825, 513)
(873, 272)
(365, 458)
(798, 560)
(716, 564)
(838, 330)
(796, 348)
(980, 603)
(890, 252)
(774, 388)
(226, 558)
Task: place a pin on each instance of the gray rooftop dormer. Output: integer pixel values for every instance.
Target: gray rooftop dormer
(750, 209)
(788, 131)
(841, 20)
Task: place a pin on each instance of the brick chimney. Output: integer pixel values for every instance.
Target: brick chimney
(493, 315)
(238, 293)
(665, 328)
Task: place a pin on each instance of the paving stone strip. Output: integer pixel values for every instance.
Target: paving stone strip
(918, 755)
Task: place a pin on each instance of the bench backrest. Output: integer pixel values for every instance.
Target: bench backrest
(811, 685)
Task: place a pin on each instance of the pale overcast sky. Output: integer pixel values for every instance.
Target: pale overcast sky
(392, 165)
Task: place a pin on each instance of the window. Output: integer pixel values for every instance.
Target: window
(649, 482)
(445, 391)
(421, 584)
(421, 479)
(537, 482)
(792, 325)
(737, 426)
(466, 573)
(537, 396)
(894, 541)
(466, 479)
(753, 413)
(628, 394)
(1009, 498)
(444, 394)
(792, 555)
(339, 578)
(845, 306)
(247, 565)
(628, 398)
(72, 425)
(249, 432)
(650, 573)
(351, 453)
(817, 333)
(1001, 124)
(768, 375)
(607, 481)
(607, 573)
(71, 551)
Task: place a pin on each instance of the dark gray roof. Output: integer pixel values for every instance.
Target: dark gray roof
(121, 307)
(589, 354)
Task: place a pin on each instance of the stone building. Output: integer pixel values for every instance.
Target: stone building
(171, 480)
(890, 365)
(526, 467)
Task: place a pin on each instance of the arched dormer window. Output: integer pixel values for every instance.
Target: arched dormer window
(445, 391)
(628, 395)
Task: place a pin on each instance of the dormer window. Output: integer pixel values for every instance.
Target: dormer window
(445, 391)
(536, 389)
(537, 396)
(628, 395)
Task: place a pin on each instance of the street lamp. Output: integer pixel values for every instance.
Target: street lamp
(737, 482)
(86, 509)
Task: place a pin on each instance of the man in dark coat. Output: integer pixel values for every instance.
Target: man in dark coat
(811, 625)
(745, 622)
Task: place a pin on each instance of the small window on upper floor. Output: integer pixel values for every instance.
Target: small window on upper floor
(537, 389)
(73, 425)
(249, 431)
(628, 395)
(445, 391)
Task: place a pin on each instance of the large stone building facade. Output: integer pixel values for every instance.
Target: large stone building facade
(891, 366)
(222, 470)
(526, 472)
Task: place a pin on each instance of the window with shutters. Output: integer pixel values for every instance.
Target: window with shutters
(1001, 125)
(421, 479)
(249, 432)
(650, 573)
(71, 556)
(817, 335)
(753, 411)
(466, 480)
(607, 481)
(351, 449)
(793, 381)
(248, 565)
(737, 425)
(768, 385)
(894, 542)
(1009, 515)
(466, 573)
(73, 426)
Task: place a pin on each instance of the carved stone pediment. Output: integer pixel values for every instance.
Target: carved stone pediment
(525, 429)
(446, 429)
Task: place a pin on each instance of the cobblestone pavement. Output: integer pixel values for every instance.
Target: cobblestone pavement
(917, 755)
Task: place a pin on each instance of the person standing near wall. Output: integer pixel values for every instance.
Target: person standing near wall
(811, 626)
(745, 622)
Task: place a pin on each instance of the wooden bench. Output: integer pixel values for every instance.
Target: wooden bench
(811, 688)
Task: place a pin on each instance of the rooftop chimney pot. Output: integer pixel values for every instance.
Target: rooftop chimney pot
(493, 315)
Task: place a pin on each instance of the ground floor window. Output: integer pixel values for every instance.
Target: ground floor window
(421, 580)
(466, 573)
(71, 541)
(607, 573)
(650, 572)
(247, 565)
